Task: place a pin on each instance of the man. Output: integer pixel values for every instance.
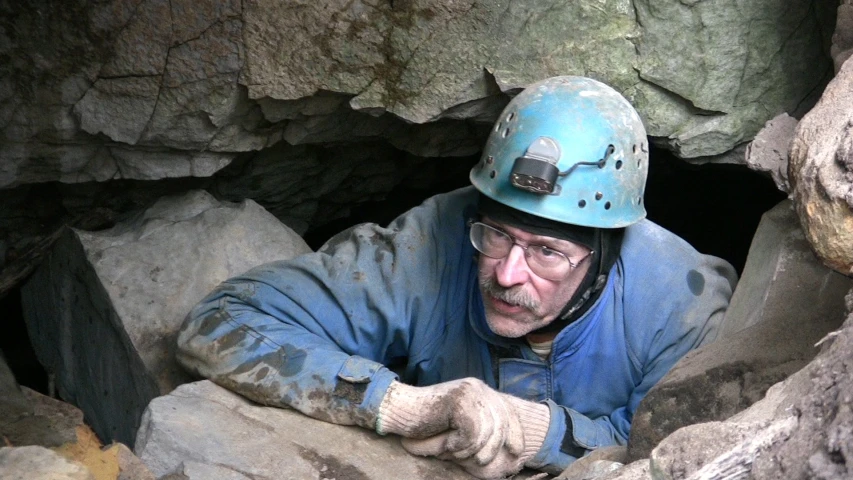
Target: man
(518, 322)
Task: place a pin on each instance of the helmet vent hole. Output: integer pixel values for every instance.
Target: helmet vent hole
(607, 206)
(582, 203)
(510, 116)
(598, 195)
(618, 164)
(639, 200)
(634, 148)
(506, 133)
(639, 162)
(492, 174)
(490, 160)
(498, 127)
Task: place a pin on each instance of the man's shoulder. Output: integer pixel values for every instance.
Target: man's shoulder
(448, 207)
(646, 239)
(461, 197)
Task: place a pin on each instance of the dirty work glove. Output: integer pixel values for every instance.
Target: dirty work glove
(534, 418)
(476, 423)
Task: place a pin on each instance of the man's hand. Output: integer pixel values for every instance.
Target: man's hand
(477, 421)
(465, 421)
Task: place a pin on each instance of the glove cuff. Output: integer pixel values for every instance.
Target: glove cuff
(535, 419)
(399, 409)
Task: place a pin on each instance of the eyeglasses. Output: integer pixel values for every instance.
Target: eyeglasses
(544, 261)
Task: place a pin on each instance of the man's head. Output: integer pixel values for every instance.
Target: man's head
(562, 173)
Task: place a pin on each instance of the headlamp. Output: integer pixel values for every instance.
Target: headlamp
(536, 171)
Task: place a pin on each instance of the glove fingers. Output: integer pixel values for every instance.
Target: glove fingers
(465, 442)
(432, 446)
(496, 440)
(490, 439)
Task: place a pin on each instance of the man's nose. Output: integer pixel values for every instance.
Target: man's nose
(513, 269)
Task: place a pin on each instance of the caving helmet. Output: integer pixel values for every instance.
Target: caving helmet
(569, 149)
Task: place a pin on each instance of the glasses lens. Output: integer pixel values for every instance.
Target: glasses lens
(548, 263)
(489, 241)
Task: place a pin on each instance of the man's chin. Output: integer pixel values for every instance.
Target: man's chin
(509, 328)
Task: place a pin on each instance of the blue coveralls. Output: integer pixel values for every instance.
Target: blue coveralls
(317, 333)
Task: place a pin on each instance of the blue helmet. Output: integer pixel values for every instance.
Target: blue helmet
(569, 149)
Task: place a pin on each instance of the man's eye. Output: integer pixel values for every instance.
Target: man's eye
(547, 252)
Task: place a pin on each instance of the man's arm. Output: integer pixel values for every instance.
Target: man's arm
(252, 337)
(315, 333)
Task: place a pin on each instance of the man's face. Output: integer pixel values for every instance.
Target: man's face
(517, 301)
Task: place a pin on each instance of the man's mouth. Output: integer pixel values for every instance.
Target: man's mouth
(504, 305)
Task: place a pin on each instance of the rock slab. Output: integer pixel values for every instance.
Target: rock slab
(204, 431)
(821, 173)
(103, 310)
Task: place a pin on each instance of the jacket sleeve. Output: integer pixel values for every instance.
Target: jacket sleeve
(315, 333)
(679, 310)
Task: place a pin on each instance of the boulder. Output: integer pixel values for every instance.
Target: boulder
(821, 173)
(785, 302)
(41, 421)
(686, 49)
(842, 39)
(26, 463)
(768, 151)
(203, 431)
(104, 308)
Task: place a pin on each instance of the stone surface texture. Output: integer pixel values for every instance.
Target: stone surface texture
(103, 310)
(203, 431)
(183, 87)
(27, 463)
(49, 423)
(724, 79)
(821, 173)
(785, 302)
(768, 151)
(842, 39)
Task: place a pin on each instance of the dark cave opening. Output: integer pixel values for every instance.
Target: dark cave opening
(16, 347)
(714, 207)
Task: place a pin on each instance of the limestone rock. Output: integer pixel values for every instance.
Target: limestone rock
(842, 39)
(46, 422)
(740, 79)
(821, 173)
(203, 431)
(717, 450)
(689, 448)
(785, 302)
(163, 76)
(27, 463)
(768, 151)
(41, 421)
(597, 464)
(11, 396)
(638, 470)
(103, 310)
(820, 395)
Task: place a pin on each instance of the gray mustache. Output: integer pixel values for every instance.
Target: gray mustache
(516, 295)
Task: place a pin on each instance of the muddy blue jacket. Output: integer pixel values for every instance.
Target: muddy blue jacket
(327, 332)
